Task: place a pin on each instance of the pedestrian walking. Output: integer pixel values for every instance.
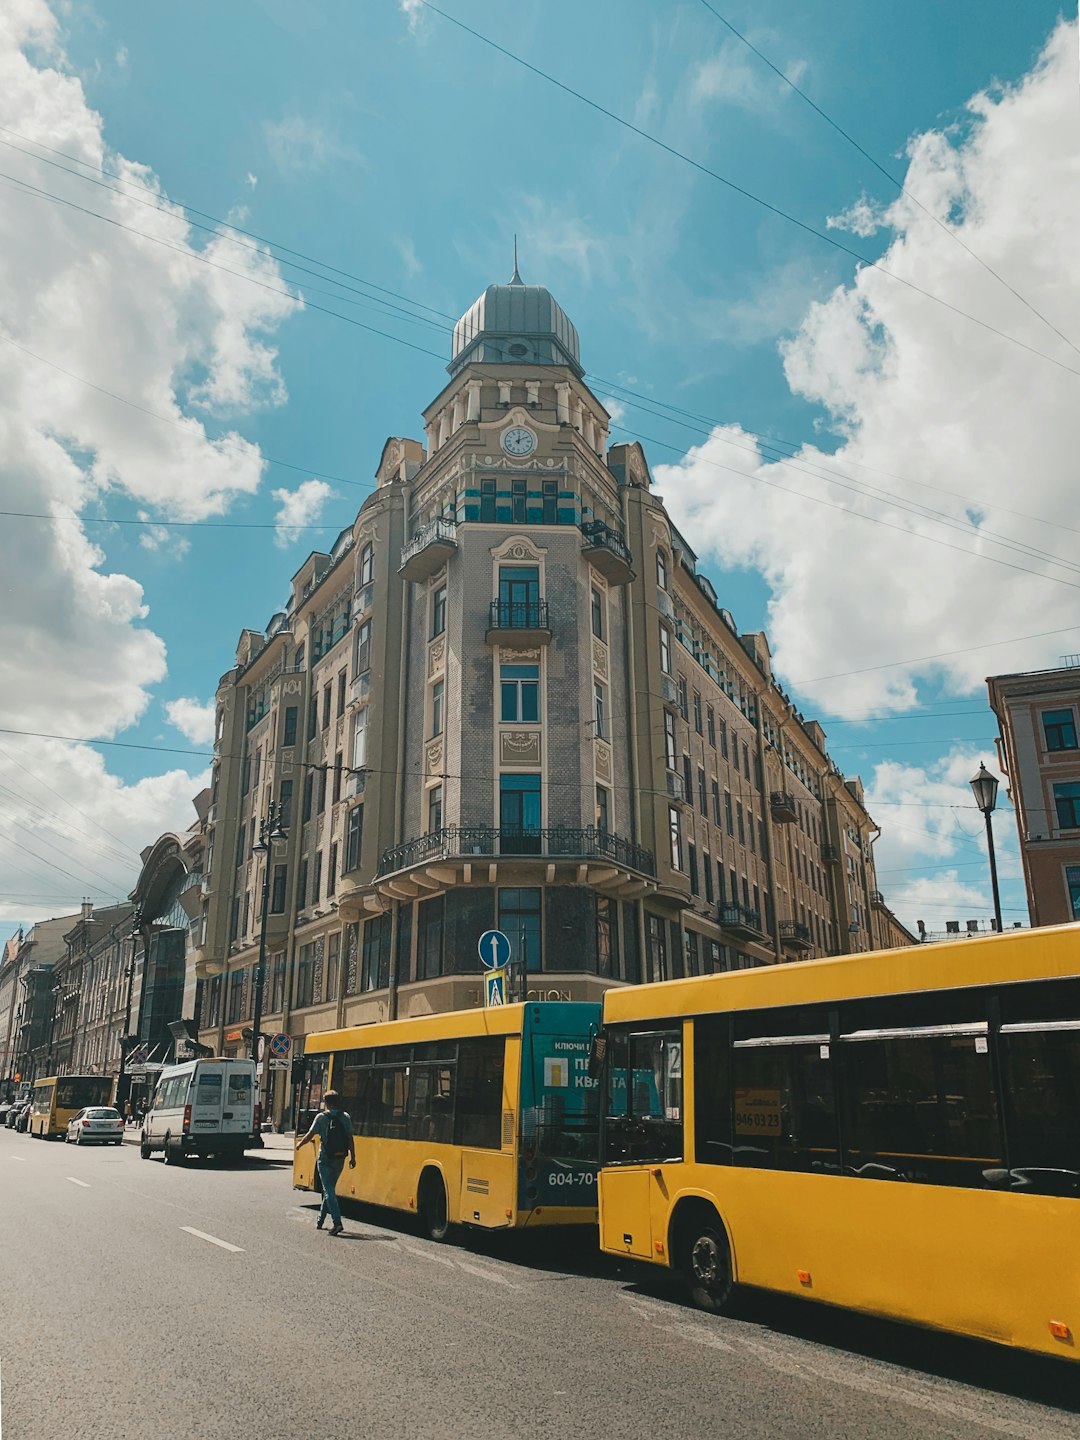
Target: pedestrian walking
(335, 1132)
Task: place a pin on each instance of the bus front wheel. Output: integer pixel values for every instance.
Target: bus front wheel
(705, 1262)
(434, 1212)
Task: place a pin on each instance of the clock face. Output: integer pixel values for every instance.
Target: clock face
(518, 440)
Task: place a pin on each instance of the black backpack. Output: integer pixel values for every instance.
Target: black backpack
(336, 1140)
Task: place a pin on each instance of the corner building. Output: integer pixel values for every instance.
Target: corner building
(507, 699)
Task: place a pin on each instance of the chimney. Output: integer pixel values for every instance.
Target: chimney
(87, 909)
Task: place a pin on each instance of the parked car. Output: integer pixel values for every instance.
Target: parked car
(22, 1117)
(13, 1114)
(5, 1106)
(99, 1124)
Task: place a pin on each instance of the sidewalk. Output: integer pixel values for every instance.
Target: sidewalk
(271, 1142)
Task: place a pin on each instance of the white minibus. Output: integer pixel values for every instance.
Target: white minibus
(203, 1107)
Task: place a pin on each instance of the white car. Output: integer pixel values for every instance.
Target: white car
(96, 1123)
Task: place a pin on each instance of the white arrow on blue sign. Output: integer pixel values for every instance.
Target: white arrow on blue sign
(493, 948)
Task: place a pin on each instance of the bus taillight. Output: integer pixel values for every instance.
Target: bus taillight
(187, 1118)
(257, 1123)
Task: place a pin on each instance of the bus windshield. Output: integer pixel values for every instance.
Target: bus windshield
(73, 1092)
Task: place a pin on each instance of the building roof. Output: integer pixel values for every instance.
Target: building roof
(515, 324)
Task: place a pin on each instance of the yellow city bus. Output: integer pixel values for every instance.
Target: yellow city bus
(895, 1132)
(475, 1117)
(58, 1098)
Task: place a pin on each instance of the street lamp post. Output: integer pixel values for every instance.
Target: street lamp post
(123, 1080)
(270, 830)
(984, 787)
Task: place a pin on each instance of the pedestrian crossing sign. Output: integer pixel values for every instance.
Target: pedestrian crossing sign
(495, 988)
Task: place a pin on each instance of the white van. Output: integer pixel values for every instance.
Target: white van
(203, 1107)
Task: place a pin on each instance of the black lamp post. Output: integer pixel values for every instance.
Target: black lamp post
(270, 830)
(984, 787)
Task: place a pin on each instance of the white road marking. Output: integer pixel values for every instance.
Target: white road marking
(213, 1240)
(487, 1275)
(428, 1255)
(21, 1158)
(77, 1182)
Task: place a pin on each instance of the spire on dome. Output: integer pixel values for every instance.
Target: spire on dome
(515, 278)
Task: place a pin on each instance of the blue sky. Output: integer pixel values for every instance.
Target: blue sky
(384, 140)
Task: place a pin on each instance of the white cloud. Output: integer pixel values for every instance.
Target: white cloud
(251, 179)
(411, 261)
(864, 218)
(150, 323)
(413, 10)
(731, 77)
(921, 393)
(300, 146)
(192, 718)
(297, 508)
(122, 57)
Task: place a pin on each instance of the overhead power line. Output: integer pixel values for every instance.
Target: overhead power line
(741, 189)
(893, 180)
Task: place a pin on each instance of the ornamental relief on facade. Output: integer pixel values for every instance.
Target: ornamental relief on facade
(433, 757)
(518, 657)
(600, 658)
(293, 685)
(436, 657)
(519, 747)
(518, 548)
(500, 462)
(603, 761)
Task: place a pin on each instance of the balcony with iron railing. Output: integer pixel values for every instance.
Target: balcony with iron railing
(464, 842)
(830, 854)
(607, 551)
(428, 550)
(877, 899)
(794, 935)
(518, 622)
(782, 806)
(741, 920)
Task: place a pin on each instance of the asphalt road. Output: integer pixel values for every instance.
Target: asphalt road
(120, 1316)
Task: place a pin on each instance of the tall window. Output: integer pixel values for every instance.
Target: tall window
(435, 809)
(675, 832)
(684, 704)
(438, 611)
(331, 873)
(333, 965)
(354, 837)
(697, 712)
(715, 802)
(322, 789)
(710, 724)
(429, 937)
(301, 889)
(603, 823)
(487, 501)
(597, 613)
(729, 815)
(519, 812)
(309, 791)
(375, 958)
(289, 734)
(691, 858)
(519, 920)
(703, 794)
(665, 650)
(607, 936)
(519, 595)
(316, 878)
(337, 777)
(1059, 727)
(366, 568)
(598, 710)
(519, 692)
(1067, 801)
(363, 647)
(277, 890)
(670, 753)
(661, 569)
(519, 501)
(359, 746)
(285, 802)
(1072, 879)
(438, 691)
(341, 693)
(550, 493)
(327, 703)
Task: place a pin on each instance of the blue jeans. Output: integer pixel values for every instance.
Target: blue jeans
(330, 1168)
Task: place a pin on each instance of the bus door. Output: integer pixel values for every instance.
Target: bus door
(206, 1098)
(560, 1129)
(643, 1128)
(309, 1084)
(238, 1113)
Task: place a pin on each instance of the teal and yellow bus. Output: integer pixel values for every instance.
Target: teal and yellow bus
(58, 1098)
(895, 1132)
(477, 1117)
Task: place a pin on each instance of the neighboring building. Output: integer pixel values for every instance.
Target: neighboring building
(508, 698)
(34, 996)
(91, 975)
(1038, 716)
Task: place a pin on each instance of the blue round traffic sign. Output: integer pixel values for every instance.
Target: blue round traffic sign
(494, 949)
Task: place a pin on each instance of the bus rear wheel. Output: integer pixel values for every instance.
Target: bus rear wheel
(433, 1209)
(174, 1154)
(705, 1262)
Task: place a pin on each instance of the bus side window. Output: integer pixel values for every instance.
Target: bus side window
(478, 1112)
(643, 1100)
(785, 1106)
(712, 1090)
(1039, 1049)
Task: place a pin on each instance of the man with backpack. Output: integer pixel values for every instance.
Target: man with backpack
(335, 1132)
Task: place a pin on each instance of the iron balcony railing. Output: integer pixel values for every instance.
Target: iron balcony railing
(463, 841)
(445, 530)
(796, 933)
(597, 533)
(519, 615)
(830, 854)
(782, 805)
(740, 918)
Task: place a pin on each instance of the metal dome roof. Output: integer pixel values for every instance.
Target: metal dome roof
(515, 324)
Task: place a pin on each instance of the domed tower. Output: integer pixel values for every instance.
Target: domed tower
(516, 324)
